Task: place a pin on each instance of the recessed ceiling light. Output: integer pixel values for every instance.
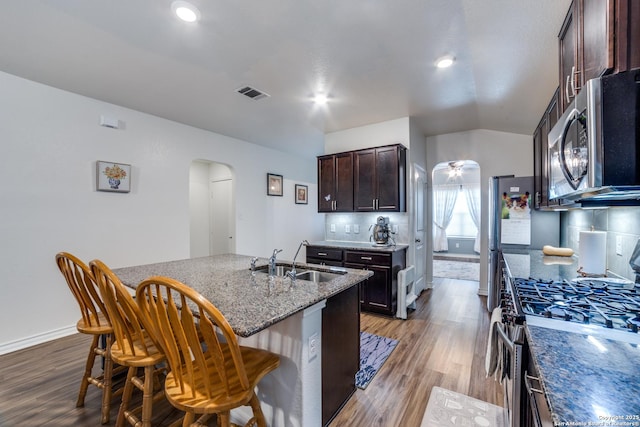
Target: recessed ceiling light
(445, 62)
(320, 98)
(185, 11)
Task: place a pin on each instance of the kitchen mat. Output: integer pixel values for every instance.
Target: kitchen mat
(374, 351)
(448, 408)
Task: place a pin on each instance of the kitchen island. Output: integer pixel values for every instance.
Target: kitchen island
(589, 374)
(276, 314)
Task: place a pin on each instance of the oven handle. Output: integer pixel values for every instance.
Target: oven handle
(505, 339)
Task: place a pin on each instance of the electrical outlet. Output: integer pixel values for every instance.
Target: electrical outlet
(333, 228)
(314, 346)
(619, 245)
(356, 228)
(457, 245)
(395, 228)
(347, 228)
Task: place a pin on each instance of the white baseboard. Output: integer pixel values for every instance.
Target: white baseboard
(22, 343)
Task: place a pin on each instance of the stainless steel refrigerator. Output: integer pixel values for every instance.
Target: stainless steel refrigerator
(514, 225)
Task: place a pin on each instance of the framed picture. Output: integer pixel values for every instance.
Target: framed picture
(302, 192)
(274, 185)
(111, 176)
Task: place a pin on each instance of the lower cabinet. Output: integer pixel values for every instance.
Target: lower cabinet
(379, 293)
(340, 351)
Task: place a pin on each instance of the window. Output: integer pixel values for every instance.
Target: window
(461, 224)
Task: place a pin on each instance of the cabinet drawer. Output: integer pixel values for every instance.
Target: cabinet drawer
(367, 257)
(324, 253)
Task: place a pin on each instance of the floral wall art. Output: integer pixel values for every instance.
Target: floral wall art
(113, 177)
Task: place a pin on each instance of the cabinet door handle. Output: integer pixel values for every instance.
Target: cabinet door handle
(368, 258)
(322, 254)
(566, 90)
(575, 87)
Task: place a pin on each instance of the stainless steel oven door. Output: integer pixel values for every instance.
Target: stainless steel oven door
(511, 338)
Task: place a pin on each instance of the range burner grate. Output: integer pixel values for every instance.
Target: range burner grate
(614, 304)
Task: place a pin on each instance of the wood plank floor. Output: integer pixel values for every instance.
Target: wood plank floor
(441, 344)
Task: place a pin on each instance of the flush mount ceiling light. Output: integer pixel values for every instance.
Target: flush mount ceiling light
(445, 61)
(185, 11)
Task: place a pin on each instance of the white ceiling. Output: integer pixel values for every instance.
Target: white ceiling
(375, 59)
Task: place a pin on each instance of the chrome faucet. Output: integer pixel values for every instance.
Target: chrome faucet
(272, 262)
(292, 273)
(253, 263)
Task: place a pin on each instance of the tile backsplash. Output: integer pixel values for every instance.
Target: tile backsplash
(343, 226)
(622, 225)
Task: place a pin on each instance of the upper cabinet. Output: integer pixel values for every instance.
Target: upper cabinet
(379, 179)
(370, 180)
(335, 183)
(540, 155)
(597, 37)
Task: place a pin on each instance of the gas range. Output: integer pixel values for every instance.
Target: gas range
(608, 303)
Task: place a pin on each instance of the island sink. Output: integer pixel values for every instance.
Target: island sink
(311, 275)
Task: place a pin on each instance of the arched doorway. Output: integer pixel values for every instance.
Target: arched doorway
(211, 209)
(456, 219)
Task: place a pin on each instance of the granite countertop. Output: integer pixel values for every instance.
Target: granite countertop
(587, 378)
(249, 302)
(367, 246)
(588, 372)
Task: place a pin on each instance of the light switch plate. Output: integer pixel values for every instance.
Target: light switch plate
(333, 228)
(619, 245)
(347, 228)
(356, 228)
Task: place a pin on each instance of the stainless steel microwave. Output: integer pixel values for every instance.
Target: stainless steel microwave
(594, 148)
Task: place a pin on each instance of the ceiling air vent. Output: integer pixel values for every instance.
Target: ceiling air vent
(252, 93)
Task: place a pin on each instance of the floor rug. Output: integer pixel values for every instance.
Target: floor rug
(374, 351)
(448, 408)
(456, 270)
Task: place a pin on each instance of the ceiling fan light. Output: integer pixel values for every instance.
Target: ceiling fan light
(445, 62)
(185, 11)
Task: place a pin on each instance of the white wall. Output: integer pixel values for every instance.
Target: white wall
(497, 153)
(49, 143)
(374, 135)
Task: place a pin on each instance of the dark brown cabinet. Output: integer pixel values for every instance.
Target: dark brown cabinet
(340, 351)
(379, 179)
(324, 256)
(371, 180)
(379, 292)
(540, 154)
(335, 183)
(597, 37)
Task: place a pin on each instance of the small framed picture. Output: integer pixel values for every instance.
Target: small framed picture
(111, 176)
(274, 185)
(302, 192)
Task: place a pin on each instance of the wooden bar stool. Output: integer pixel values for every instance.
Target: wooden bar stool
(133, 347)
(94, 322)
(205, 378)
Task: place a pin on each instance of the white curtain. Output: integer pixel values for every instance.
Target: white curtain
(444, 197)
(472, 193)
